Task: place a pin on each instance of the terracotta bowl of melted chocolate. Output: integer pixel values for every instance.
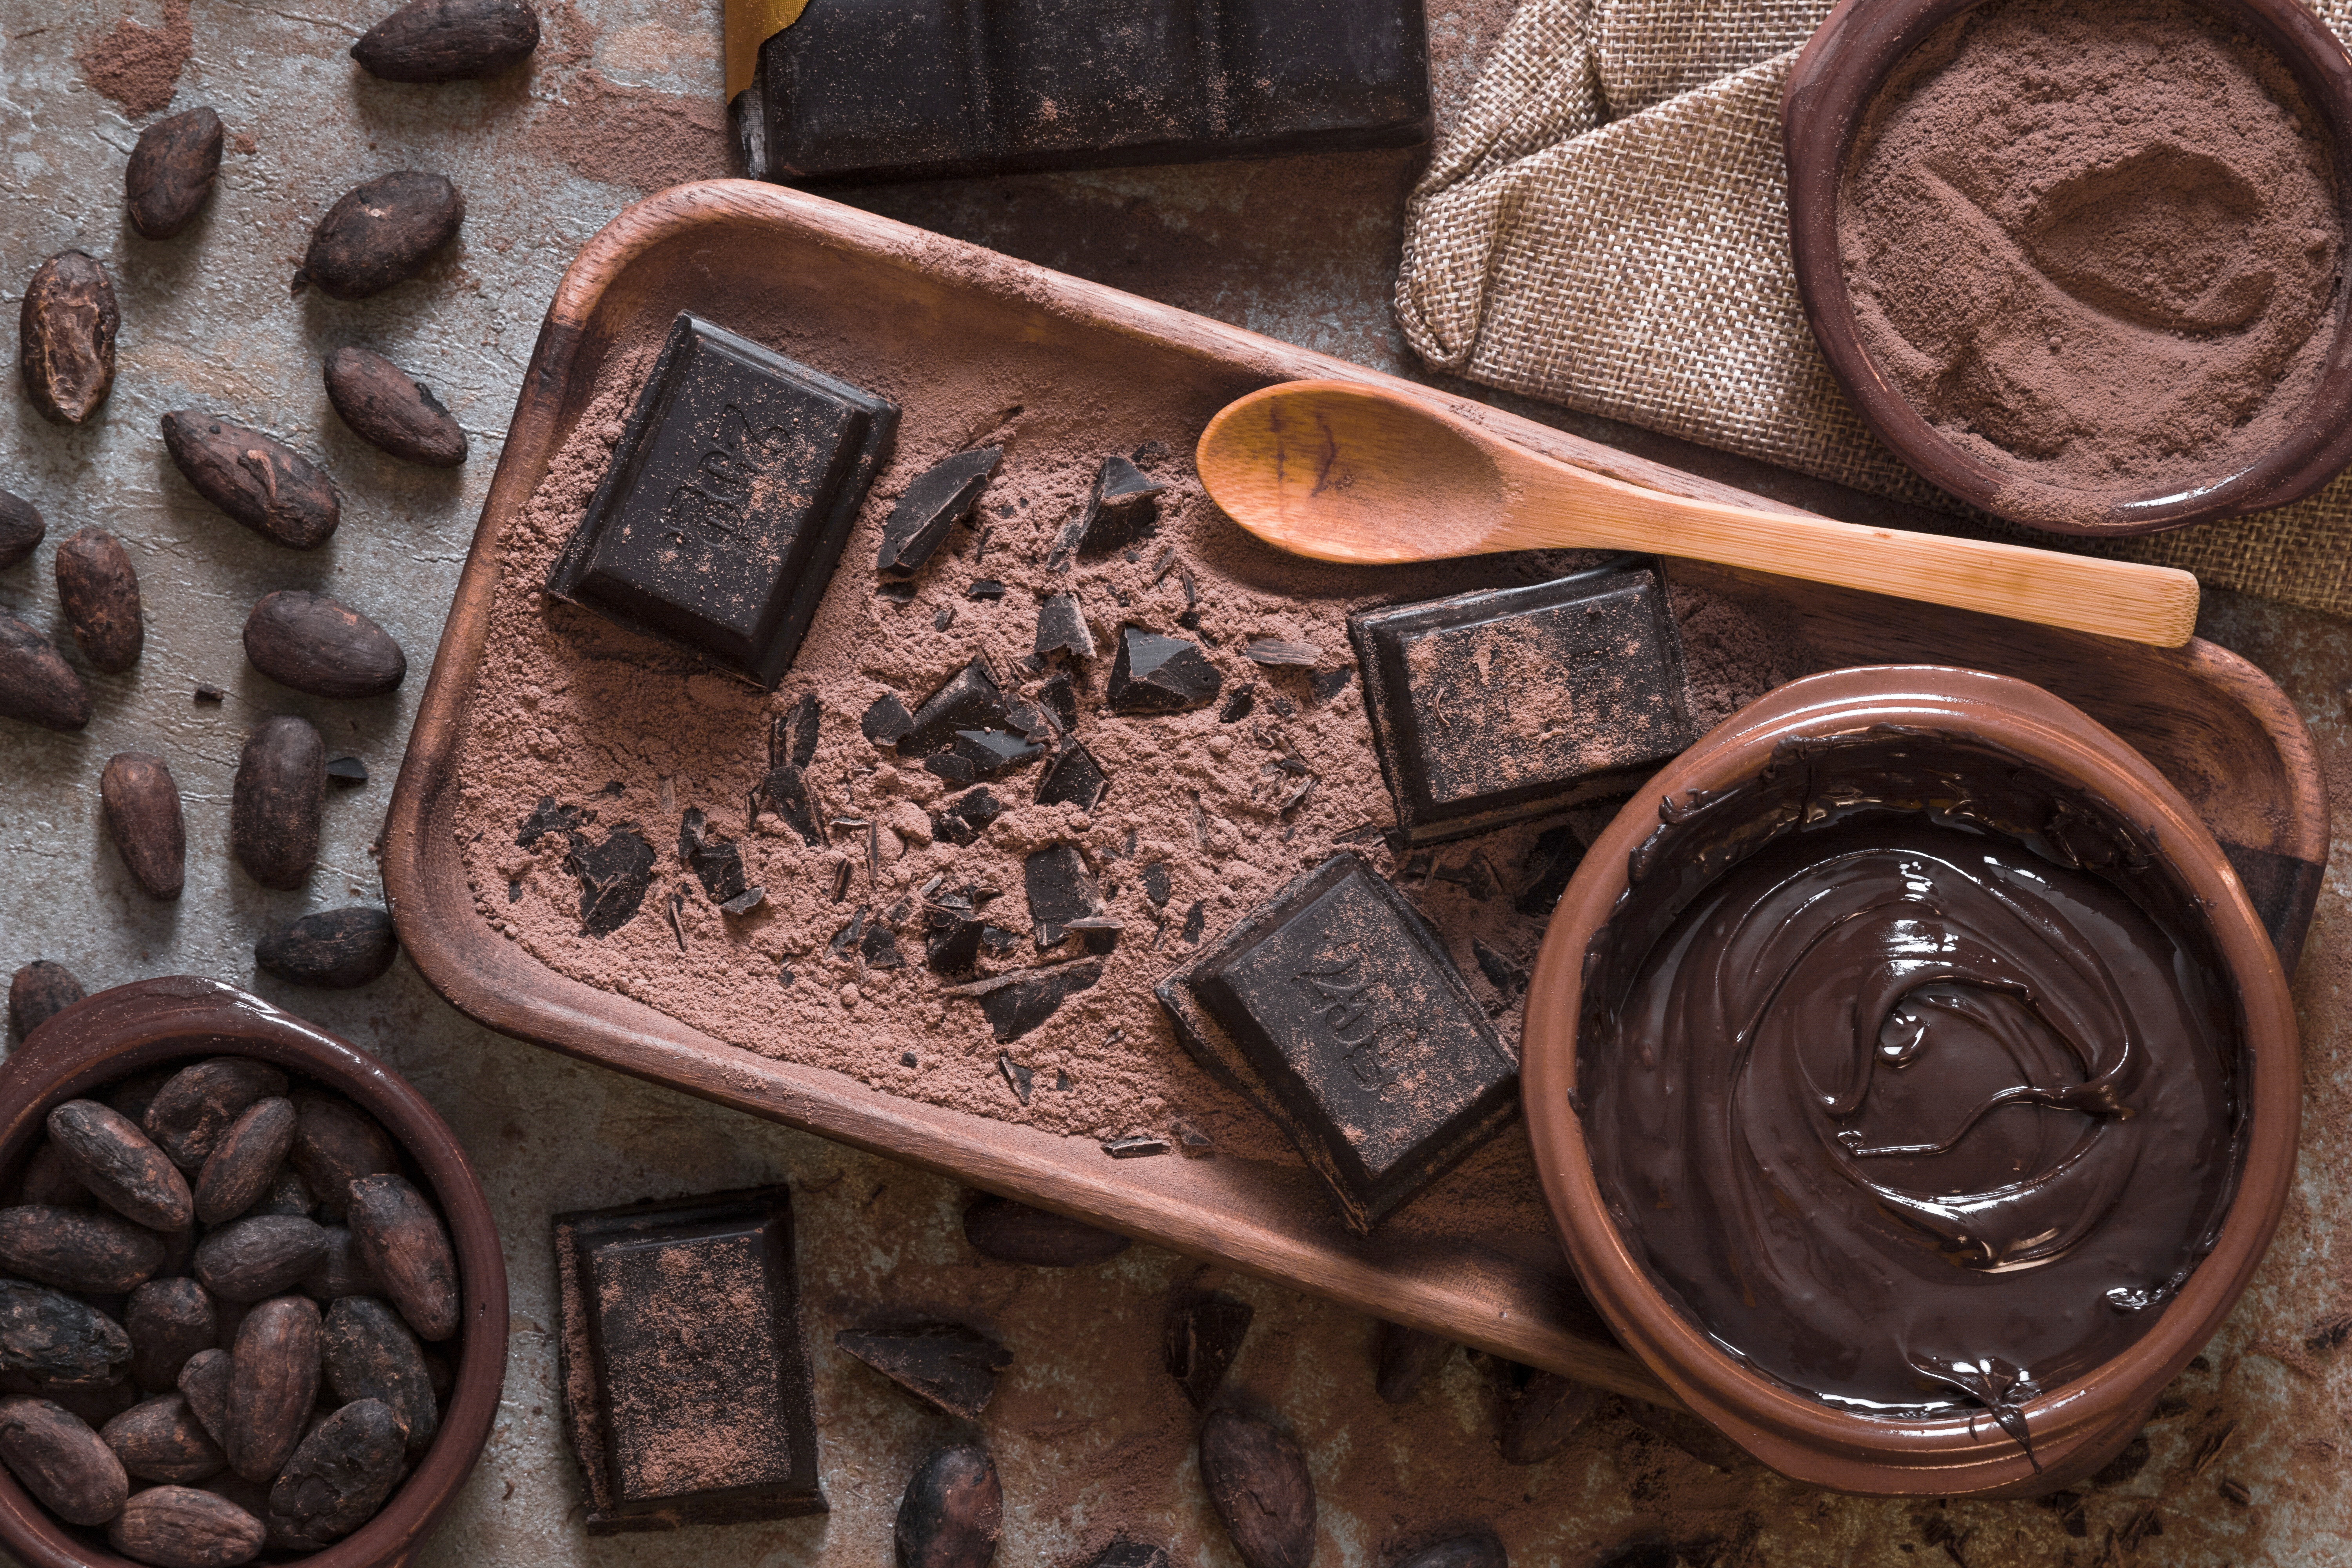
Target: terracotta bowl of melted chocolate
(2080, 263)
(1912, 1082)
(181, 1020)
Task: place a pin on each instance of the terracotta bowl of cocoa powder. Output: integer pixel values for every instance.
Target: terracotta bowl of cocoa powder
(1686, 1095)
(2080, 263)
(128, 1030)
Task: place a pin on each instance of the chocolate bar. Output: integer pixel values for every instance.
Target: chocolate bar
(917, 89)
(735, 484)
(685, 1382)
(1494, 707)
(1335, 1008)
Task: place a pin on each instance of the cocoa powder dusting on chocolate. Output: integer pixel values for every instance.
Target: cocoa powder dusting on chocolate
(137, 65)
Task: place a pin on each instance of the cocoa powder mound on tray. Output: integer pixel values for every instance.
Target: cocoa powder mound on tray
(139, 66)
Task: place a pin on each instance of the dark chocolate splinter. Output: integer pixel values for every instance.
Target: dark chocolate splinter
(940, 497)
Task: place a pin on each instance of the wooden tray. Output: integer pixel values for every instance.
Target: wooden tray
(2212, 722)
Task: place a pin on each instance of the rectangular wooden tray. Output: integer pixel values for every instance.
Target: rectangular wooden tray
(2215, 725)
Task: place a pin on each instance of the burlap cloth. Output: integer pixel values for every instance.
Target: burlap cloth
(1606, 226)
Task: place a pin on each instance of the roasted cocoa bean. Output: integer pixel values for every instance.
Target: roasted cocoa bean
(287, 1193)
(98, 588)
(120, 1166)
(188, 1113)
(142, 806)
(158, 1440)
(65, 337)
(257, 479)
(342, 1272)
(244, 1161)
(273, 818)
(338, 1476)
(335, 1143)
(265, 1254)
(203, 1383)
(1546, 1413)
(371, 1354)
(49, 1180)
(312, 644)
(952, 1512)
(36, 684)
(171, 173)
(181, 1527)
(21, 529)
(381, 233)
(49, 1335)
(1257, 1482)
(333, 950)
(274, 1377)
(38, 993)
(1408, 1357)
(1013, 1232)
(406, 1247)
(449, 41)
(169, 1321)
(78, 1251)
(61, 1460)
(389, 410)
(1479, 1551)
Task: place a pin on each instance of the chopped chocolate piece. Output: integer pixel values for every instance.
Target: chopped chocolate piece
(793, 735)
(1238, 706)
(940, 497)
(994, 751)
(950, 941)
(686, 1381)
(1061, 1084)
(1325, 684)
(880, 948)
(716, 862)
(1098, 933)
(961, 821)
(744, 902)
(1190, 1142)
(898, 593)
(1032, 721)
(548, 817)
(1335, 1008)
(614, 877)
(1156, 674)
(1274, 650)
(1408, 1358)
(1156, 885)
(983, 588)
(1061, 890)
(907, 1059)
(1204, 1334)
(1189, 619)
(1195, 922)
(1492, 707)
(784, 977)
(886, 721)
(349, 771)
(1062, 628)
(1552, 861)
(677, 926)
(1141, 1146)
(729, 496)
(1015, 1003)
(850, 934)
(1501, 972)
(1013, 1232)
(786, 793)
(840, 875)
(1017, 1078)
(997, 940)
(1121, 510)
(1072, 778)
(959, 731)
(951, 1367)
(613, 788)
(943, 617)
(1062, 697)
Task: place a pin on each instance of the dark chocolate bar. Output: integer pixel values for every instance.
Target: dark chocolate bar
(734, 485)
(900, 89)
(1335, 1009)
(1494, 707)
(685, 1382)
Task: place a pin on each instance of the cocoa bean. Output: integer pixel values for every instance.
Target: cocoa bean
(120, 1166)
(21, 529)
(274, 1377)
(141, 807)
(51, 1336)
(1408, 1357)
(170, 176)
(1013, 1232)
(246, 1159)
(203, 1383)
(158, 1440)
(180, 1527)
(78, 1251)
(381, 233)
(49, 1180)
(1257, 1482)
(192, 1108)
(333, 950)
(371, 1354)
(1548, 1412)
(61, 1461)
(38, 993)
(449, 41)
(36, 684)
(264, 1254)
(169, 1321)
(335, 1143)
(287, 1193)
(65, 337)
(390, 410)
(407, 1248)
(99, 590)
(952, 1512)
(338, 1476)
(257, 479)
(342, 1271)
(281, 785)
(312, 644)
(1479, 1551)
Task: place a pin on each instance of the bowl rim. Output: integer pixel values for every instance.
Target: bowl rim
(1829, 90)
(117, 1032)
(2075, 1427)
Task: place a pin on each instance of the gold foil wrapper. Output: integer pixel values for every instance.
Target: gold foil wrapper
(750, 24)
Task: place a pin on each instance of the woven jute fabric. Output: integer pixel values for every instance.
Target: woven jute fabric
(1606, 226)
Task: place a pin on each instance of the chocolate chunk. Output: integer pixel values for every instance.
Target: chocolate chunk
(349, 773)
(1156, 884)
(879, 948)
(961, 732)
(1552, 861)
(170, 173)
(744, 902)
(142, 809)
(886, 724)
(21, 529)
(951, 934)
(158, 1440)
(1204, 1333)
(36, 684)
(1408, 1359)
(548, 817)
(1072, 778)
(785, 792)
(263, 1256)
(100, 1253)
(1190, 1142)
(275, 803)
(381, 233)
(1141, 1146)
(61, 1461)
(1017, 1079)
(449, 41)
(1014, 1232)
(370, 1353)
(963, 819)
(1156, 674)
(1121, 510)
(613, 877)
(98, 588)
(257, 479)
(687, 1394)
(939, 496)
(1325, 684)
(1335, 1008)
(1501, 972)
(404, 1243)
(1258, 1482)
(120, 1165)
(952, 1367)
(334, 950)
(184, 1527)
(734, 485)
(1479, 1551)
(1062, 698)
(1276, 650)
(1195, 922)
(793, 735)
(1492, 707)
(1062, 628)
(246, 1160)
(168, 1321)
(714, 860)
(1060, 889)
(314, 645)
(59, 1340)
(273, 1378)
(987, 588)
(392, 410)
(952, 1512)
(65, 334)
(190, 1110)
(1546, 1415)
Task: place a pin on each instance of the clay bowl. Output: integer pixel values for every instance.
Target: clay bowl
(1829, 90)
(2075, 1427)
(130, 1028)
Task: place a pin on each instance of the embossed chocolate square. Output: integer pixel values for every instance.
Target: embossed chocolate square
(730, 494)
(1492, 707)
(686, 1381)
(1335, 1008)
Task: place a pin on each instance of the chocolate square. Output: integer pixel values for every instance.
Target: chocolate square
(735, 484)
(685, 1382)
(1492, 707)
(1335, 1008)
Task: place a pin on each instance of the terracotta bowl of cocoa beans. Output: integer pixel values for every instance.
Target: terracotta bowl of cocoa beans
(252, 1303)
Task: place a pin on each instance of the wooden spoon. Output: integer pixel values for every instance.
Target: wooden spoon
(1341, 471)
